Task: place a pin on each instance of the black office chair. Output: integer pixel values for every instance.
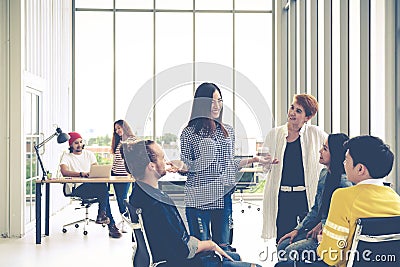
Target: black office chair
(376, 242)
(84, 203)
(142, 256)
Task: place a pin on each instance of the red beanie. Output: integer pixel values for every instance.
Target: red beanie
(73, 136)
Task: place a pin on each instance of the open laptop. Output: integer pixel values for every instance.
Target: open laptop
(100, 171)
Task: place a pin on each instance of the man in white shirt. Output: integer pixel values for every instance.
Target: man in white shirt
(77, 164)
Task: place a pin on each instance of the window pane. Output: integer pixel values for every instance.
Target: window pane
(134, 61)
(174, 89)
(321, 61)
(172, 115)
(174, 44)
(253, 58)
(253, 4)
(93, 74)
(134, 4)
(174, 4)
(214, 5)
(354, 68)
(214, 38)
(28, 113)
(94, 3)
(335, 67)
(35, 114)
(377, 62)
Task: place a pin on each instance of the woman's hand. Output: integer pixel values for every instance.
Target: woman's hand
(290, 235)
(267, 162)
(315, 231)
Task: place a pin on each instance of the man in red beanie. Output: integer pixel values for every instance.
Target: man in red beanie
(77, 164)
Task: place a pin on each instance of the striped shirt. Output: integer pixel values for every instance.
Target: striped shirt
(118, 167)
(211, 166)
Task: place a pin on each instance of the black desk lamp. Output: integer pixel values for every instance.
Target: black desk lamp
(61, 138)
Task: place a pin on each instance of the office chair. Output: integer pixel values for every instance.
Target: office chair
(85, 203)
(244, 180)
(142, 256)
(376, 242)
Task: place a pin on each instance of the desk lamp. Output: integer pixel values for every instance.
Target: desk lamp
(61, 138)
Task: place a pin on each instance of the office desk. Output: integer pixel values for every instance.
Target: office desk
(47, 183)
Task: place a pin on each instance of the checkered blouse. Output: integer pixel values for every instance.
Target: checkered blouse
(211, 166)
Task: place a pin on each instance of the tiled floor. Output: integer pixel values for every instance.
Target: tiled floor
(97, 249)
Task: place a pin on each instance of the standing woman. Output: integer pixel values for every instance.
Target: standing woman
(122, 132)
(208, 149)
(291, 184)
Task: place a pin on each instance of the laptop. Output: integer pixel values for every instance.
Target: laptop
(100, 171)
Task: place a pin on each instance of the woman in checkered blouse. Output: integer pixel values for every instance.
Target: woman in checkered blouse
(207, 148)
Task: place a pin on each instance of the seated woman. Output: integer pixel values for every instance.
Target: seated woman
(304, 237)
(166, 232)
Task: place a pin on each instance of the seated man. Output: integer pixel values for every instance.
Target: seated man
(77, 164)
(368, 160)
(164, 226)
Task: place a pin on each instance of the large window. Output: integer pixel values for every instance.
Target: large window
(142, 60)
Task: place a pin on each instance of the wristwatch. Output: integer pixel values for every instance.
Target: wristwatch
(80, 174)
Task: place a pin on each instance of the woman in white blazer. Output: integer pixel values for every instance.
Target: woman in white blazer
(291, 183)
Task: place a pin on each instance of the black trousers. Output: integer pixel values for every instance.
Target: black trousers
(292, 206)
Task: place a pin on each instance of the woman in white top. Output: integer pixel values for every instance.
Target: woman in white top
(291, 184)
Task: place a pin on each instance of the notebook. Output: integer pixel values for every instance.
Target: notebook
(100, 171)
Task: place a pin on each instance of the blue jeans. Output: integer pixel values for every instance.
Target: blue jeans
(301, 249)
(211, 224)
(121, 193)
(227, 263)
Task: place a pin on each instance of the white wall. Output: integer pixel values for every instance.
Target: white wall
(3, 114)
(39, 55)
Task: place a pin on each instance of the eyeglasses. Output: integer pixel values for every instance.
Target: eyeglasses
(217, 102)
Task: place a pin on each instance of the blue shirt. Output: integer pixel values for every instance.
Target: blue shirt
(313, 216)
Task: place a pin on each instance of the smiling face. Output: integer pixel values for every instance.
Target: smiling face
(77, 146)
(216, 105)
(325, 154)
(118, 130)
(297, 115)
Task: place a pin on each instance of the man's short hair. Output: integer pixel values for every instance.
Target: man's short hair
(372, 153)
(137, 155)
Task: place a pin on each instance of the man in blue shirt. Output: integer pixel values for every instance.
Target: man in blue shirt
(166, 232)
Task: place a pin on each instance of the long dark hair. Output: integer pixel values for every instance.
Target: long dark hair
(200, 118)
(116, 138)
(336, 168)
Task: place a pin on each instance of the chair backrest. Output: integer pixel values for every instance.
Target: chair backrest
(376, 242)
(67, 189)
(142, 256)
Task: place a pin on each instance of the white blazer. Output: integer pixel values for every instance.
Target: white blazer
(311, 139)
